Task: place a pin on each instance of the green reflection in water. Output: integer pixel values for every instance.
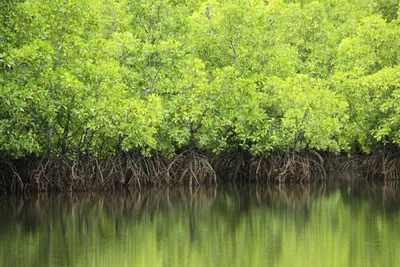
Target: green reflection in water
(313, 225)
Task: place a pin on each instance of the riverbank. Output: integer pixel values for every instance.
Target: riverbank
(190, 168)
(209, 86)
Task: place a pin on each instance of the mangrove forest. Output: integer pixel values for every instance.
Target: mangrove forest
(102, 94)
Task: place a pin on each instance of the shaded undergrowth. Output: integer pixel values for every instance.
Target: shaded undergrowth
(190, 167)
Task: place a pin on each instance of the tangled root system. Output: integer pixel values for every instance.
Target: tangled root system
(378, 165)
(191, 168)
(188, 168)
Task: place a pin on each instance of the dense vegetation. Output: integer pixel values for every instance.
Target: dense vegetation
(166, 82)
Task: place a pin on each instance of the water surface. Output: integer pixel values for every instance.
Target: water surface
(337, 224)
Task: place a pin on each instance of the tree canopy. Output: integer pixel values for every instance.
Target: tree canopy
(96, 77)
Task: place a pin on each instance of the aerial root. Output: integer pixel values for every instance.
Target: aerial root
(191, 168)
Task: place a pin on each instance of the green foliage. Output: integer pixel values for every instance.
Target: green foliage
(387, 8)
(373, 112)
(97, 77)
(374, 47)
(312, 115)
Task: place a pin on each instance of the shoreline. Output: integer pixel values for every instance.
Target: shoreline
(191, 168)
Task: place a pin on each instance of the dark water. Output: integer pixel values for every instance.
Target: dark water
(339, 224)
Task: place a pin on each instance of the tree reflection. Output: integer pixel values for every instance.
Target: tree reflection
(231, 225)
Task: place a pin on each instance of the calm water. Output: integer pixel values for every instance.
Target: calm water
(354, 224)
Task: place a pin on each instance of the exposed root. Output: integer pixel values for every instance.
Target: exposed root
(10, 180)
(232, 167)
(141, 170)
(191, 168)
(283, 167)
(378, 165)
(289, 167)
